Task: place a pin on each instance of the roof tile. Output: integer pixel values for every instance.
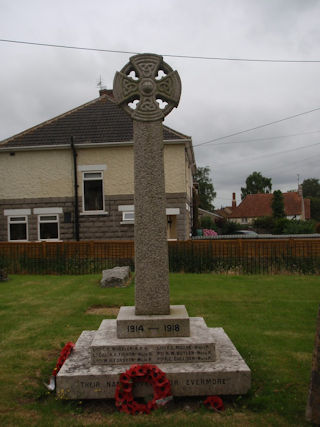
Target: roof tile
(257, 205)
(98, 121)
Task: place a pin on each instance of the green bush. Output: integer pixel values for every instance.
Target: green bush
(264, 224)
(315, 208)
(299, 227)
(269, 224)
(208, 223)
(280, 225)
(227, 227)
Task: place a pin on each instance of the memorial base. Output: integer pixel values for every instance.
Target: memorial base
(228, 374)
(107, 349)
(131, 325)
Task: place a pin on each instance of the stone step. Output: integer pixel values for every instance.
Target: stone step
(107, 349)
(175, 324)
(228, 375)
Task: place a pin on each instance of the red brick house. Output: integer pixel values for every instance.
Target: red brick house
(258, 205)
(226, 211)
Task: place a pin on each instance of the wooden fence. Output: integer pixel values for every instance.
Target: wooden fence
(243, 255)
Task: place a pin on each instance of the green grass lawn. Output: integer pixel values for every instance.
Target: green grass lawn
(270, 319)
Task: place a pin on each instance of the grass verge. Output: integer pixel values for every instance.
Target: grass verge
(270, 319)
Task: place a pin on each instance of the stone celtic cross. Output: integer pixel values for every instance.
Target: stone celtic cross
(148, 89)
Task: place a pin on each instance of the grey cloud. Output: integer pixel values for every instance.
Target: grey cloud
(218, 98)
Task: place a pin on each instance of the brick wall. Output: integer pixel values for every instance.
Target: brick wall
(92, 227)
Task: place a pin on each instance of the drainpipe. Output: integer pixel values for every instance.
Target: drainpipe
(76, 201)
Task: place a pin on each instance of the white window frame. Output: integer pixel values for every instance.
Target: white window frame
(84, 172)
(127, 217)
(128, 210)
(25, 221)
(41, 221)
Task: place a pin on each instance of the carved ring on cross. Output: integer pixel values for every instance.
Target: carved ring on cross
(147, 88)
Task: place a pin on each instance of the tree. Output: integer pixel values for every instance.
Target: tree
(311, 190)
(256, 183)
(207, 222)
(315, 208)
(311, 187)
(206, 189)
(278, 205)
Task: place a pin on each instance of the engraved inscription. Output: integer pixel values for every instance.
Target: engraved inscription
(168, 328)
(90, 384)
(154, 354)
(205, 381)
(171, 328)
(189, 382)
(135, 328)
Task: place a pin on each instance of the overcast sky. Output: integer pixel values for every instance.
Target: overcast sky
(219, 97)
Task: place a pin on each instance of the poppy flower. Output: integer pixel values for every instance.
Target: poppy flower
(125, 378)
(214, 402)
(126, 409)
(137, 371)
(127, 387)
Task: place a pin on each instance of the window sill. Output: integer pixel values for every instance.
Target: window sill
(127, 222)
(49, 240)
(94, 213)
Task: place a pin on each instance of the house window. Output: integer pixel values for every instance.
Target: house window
(48, 227)
(127, 216)
(18, 228)
(93, 200)
(244, 220)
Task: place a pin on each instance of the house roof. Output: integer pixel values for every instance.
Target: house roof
(96, 122)
(257, 205)
(203, 212)
(224, 212)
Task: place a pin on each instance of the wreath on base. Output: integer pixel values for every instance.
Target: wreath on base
(149, 374)
(65, 353)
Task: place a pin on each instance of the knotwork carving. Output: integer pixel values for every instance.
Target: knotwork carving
(147, 88)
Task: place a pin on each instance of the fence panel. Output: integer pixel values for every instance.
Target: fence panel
(300, 255)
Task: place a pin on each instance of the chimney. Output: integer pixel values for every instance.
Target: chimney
(303, 213)
(234, 201)
(104, 91)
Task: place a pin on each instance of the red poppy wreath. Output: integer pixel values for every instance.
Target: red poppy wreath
(149, 374)
(214, 402)
(65, 353)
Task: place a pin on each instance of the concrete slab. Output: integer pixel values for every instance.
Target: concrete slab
(175, 324)
(228, 375)
(107, 349)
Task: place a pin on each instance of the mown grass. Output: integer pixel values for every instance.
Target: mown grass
(270, 319)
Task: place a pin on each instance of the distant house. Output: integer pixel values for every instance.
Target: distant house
(53, 190)
(213, 215)
(226, 211)
(258, 205)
